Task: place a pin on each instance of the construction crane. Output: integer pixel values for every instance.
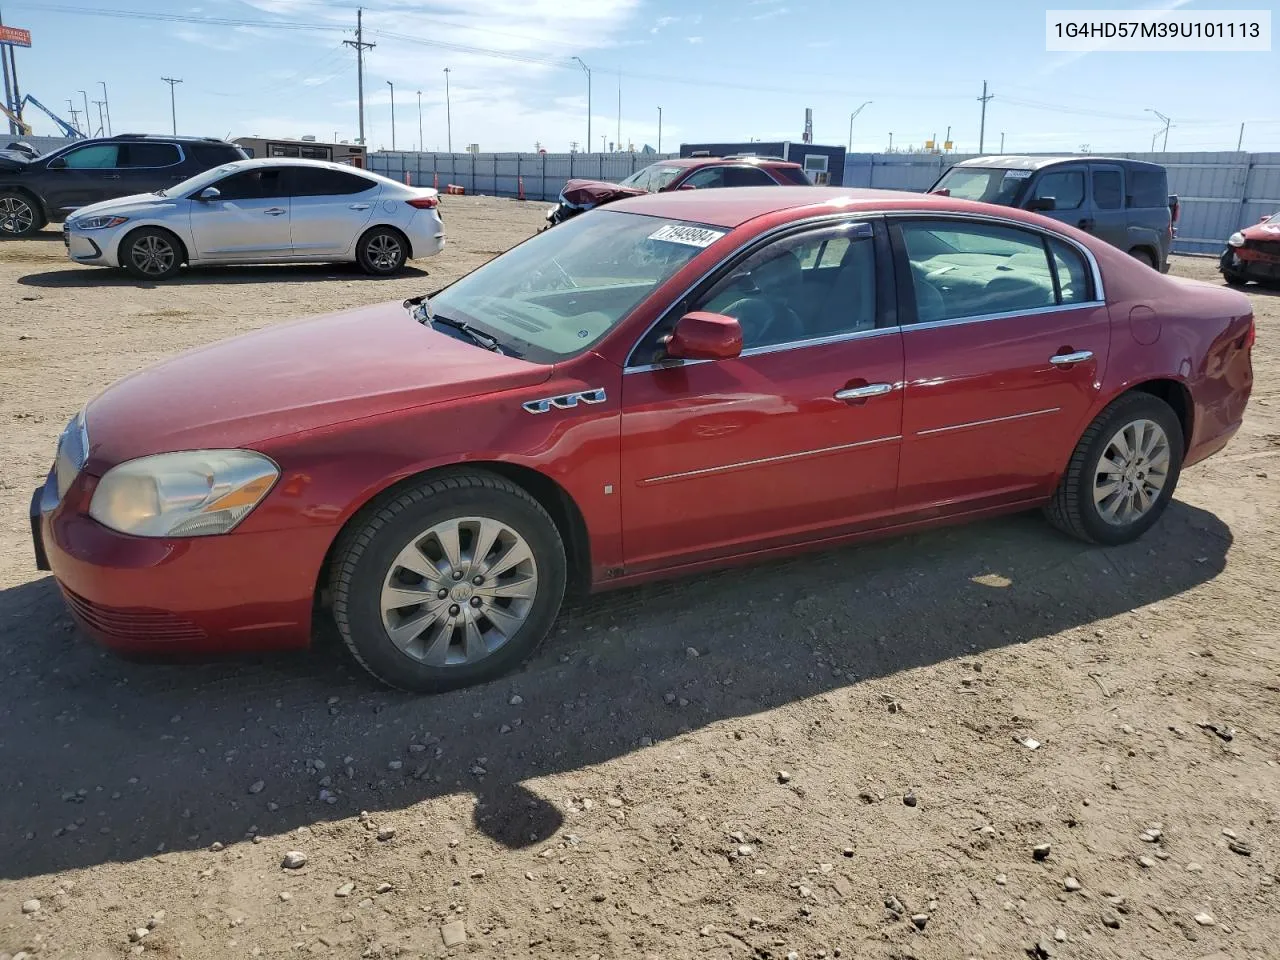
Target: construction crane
(67, 129)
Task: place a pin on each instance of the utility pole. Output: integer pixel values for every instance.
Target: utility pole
(420, 146)
(891, 141)
(360, 47)
(659, 129)
(619, 141)
(106, 105)
(87, 122)
(74, 113)
(101, 122)
(587, 70)
(982, 126)
(1166, 120)
(173, 109)
(10, 101)
(851, 119)
(393, 113)
(1240, 141)
(1002, 141)
(448, 111)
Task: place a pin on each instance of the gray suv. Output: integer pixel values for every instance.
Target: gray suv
(1124, 202)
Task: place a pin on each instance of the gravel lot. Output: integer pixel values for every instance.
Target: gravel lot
(828, 756)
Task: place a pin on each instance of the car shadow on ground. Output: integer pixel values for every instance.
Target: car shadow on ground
(264, 273)
(109, 760)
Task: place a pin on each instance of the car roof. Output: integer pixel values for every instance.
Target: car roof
(1017, 162)
(255, 162)
(712, 161)
(734, 206)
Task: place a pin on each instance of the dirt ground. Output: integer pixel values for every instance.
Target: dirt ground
(843, 769)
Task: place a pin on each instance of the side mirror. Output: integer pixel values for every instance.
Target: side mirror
(686, 186)
(58, 163)
(209, 193)
(705, 336)
(941, 192)
(1043, 203)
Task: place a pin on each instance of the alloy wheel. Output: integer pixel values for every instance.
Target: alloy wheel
(1132, 472)
(16, 215)
(459, 591)
(152, 255)
(384, 252)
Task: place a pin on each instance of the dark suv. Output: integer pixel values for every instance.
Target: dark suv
(1124, 202)
(48, 188)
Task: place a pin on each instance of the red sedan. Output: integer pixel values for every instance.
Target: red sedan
(678, 381)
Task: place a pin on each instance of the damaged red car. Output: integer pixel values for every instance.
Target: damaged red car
(689, 173)
(1253, 254)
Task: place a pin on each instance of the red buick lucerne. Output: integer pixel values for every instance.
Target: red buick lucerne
(673, 382)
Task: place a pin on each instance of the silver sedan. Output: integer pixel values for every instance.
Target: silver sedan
(261, 211)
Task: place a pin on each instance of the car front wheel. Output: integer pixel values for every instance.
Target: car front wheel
(151, 254)
(1122, 472)
(452, 582)
(382, 251)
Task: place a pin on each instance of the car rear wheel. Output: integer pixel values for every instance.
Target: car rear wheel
(19, 216)
(151, 254)
(1143, 255)
(450, 583)
(1122, 473)
(382, 251)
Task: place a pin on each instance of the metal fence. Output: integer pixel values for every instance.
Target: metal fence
(1219, 192)
(500, 174)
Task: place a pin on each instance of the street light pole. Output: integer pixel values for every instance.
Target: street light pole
(1165, 146)
(173, 109)
(106, 105)
(851, 116)
(419, 120)
(88, 124)
(587, 70)
(448, 111)
(393, 113)
(659, 129)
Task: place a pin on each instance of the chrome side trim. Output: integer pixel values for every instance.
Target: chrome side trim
(1038, 311)
(763, 460)
(982, 423)
(566, 401)
(770, 348)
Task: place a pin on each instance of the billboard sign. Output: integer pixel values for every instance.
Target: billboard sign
(15, 36)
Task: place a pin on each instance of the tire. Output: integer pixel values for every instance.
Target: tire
(20, 215)
(151, 253)
(382, 251)
(1075, 508)
(422, 647)
(1234, 279)
(1142, 255)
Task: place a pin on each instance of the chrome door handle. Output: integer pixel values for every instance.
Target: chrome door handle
(861, 393)
(274, 211)
(359, 206)
(1067, 359)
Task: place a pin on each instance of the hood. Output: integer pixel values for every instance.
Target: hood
(135, 204)
(13, 162)
(1262, 231)
(592, 193)
(293, 377)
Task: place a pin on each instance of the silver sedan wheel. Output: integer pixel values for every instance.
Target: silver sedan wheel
(384, 252)
(1132, 472)
(459, 591)
(153, 255)
(16, 215)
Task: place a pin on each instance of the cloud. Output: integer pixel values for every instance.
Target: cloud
(663, 22)
(771, 13)
(693, 39)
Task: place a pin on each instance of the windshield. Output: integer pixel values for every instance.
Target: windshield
(201, 180)
(653, 177)
(987, 184)
(563, 289)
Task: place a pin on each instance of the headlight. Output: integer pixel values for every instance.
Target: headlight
(192, 494)
(1236, 239)
(99, 223)
(73, 450)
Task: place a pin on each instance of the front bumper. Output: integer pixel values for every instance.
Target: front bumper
(239, 592)
(1253, 264)
(96, 247)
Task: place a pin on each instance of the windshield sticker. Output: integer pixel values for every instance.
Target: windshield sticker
(1017, 174)
(689, 236)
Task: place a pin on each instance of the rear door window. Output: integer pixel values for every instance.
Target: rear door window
(791, 175)
(1108, 189)
(150, 155)
(321, 182)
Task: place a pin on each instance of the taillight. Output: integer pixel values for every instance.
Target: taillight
(1251, 337)
(424, 203)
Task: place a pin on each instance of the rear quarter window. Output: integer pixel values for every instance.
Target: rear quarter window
(1147, 188)
(213, 154)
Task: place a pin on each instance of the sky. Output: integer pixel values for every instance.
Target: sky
(718, 70)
